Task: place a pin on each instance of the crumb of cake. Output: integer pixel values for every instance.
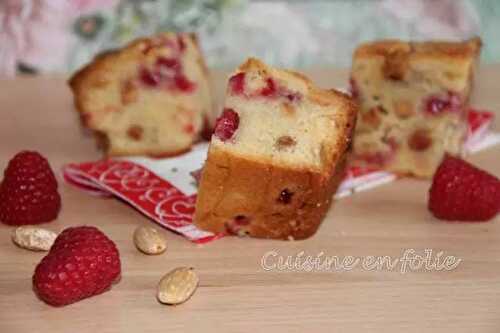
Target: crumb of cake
(110, 109)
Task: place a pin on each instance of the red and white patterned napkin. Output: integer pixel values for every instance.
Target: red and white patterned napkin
(165, 190)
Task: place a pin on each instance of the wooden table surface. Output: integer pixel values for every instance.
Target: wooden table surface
(236, 293)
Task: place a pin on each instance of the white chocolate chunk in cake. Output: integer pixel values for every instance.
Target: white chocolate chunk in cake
(413, 101)
(150, 98)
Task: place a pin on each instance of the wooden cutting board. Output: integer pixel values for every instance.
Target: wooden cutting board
(236, 293)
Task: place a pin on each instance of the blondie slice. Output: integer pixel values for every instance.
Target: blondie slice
(413, 102)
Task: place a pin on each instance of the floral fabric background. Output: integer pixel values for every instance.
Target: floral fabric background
(38, 36)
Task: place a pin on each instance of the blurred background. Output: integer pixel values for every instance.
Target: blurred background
(40, 36)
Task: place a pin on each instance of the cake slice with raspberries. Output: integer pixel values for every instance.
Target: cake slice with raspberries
(276, 156)
(413, 102)
(152, 97)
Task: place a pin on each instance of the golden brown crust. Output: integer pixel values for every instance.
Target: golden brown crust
(79, 79)
(398, 56)
(151, 154)
(273, 202)
(88, 77)
(435, 49)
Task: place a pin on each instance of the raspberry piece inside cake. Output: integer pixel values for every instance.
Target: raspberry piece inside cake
(150, 98)
(227, 124)
(416, 94)
(276, 157)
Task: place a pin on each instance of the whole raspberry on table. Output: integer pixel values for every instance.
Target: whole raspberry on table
(83, 262)
(28, 192)
(462, 192)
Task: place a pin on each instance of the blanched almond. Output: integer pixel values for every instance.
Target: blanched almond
(177, 286)
(149, 240)
(33, 238)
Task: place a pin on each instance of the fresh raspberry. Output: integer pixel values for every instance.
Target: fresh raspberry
(28, 193)
(82, 262)
(227, 124)
(462, 192)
